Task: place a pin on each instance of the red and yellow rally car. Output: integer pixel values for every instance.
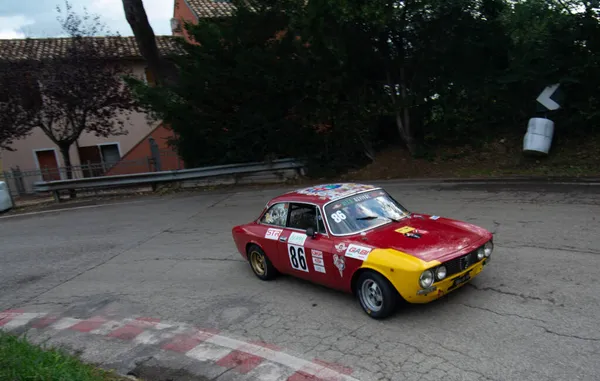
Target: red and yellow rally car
(357, 238)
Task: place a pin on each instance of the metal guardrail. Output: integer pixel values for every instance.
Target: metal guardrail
(165, 176)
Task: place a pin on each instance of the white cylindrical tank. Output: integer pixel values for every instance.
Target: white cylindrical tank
(5, 199)
(538, 138)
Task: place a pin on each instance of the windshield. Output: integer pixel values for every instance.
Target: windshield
(364, 211)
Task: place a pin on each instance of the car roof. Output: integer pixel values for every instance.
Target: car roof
(323, 193)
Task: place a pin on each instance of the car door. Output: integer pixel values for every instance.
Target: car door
(306, 256)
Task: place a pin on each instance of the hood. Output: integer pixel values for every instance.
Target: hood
(428, 238)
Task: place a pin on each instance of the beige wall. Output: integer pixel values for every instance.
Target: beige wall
(24, 155)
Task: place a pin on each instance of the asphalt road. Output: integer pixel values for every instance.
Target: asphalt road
(531, 315)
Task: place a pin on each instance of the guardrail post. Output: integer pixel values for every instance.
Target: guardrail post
(155, 152)
(17, 176)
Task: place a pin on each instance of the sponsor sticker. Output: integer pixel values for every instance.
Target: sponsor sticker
(318, 263)
(358, 252)
(320, 269)
(434, 217)
(405, 229)
(340, 262)
(341, 247)
(297, 239)
(273, 234)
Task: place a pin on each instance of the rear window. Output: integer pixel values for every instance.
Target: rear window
(363, 212)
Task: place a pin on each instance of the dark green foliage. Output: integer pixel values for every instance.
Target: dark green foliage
(463, 71)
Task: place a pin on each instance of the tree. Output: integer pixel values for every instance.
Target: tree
(232, 95)
(15, 107)
(80, 90)
(165, 72)
(256, 88)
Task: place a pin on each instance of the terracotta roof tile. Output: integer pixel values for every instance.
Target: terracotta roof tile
(44, 48)
(211, 8)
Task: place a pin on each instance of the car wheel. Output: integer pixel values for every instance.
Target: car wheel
(376, 295)
(260, 264)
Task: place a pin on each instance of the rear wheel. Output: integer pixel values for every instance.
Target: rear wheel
(376, 295)
(260, 264)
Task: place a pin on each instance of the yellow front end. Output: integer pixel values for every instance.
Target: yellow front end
(403, 271)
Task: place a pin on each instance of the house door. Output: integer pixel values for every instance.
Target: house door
(48, 164)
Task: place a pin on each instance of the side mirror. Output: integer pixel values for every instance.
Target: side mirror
(311, 232)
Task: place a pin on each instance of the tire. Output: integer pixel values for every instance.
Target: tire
(376, 295)
(260, 264)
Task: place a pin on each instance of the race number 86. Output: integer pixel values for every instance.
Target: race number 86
(297, 258)
(338, 216)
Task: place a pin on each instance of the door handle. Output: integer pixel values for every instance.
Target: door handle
(283, 239)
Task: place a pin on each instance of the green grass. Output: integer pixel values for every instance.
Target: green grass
(23, 361)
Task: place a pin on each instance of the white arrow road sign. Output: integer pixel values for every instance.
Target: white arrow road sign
(544, 98)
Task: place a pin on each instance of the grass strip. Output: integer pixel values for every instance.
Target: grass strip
(23, 361)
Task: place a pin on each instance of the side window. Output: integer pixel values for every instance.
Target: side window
(276, 215)
(303, 216)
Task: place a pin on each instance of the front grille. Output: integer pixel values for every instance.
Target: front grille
(457, 265)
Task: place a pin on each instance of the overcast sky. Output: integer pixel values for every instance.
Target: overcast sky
(37, 18)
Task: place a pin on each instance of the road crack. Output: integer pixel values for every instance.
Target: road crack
(190, 259)
(530, 297)
(227, 196)
(546, 330)
(501, 313)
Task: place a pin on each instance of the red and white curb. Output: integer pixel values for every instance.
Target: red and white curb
(269, 361)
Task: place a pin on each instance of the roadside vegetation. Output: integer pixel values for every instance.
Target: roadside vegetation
(23, 361)
(569, 157)
(372, 88)
(346, 85)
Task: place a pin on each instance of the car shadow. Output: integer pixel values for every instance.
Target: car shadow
(404, 309)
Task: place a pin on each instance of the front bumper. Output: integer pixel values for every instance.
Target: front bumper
(447, 285)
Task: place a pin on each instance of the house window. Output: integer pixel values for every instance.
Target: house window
(110, 154)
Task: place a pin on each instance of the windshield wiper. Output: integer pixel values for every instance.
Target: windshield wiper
(368, 218)
(376, 217)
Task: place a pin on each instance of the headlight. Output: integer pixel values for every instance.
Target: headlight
(488, 248)
(426, 279)
(441, 272)
(480, 253)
